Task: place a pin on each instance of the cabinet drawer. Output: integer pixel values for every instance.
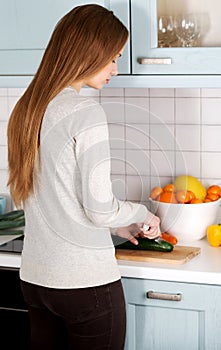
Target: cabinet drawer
(10, 291)
(151, 292)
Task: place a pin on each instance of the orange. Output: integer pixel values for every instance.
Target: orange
(169, 188)
(207, 200)
(215, 189)
(155, 192)
(191, 194)
(196, 201)
(168, 197)
(183, 196)
(212, 196)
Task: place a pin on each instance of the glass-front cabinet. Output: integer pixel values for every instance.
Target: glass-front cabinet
(176, 37)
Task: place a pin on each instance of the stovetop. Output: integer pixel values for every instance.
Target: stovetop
(14, 246)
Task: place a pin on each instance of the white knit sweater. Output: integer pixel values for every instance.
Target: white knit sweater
(68, 218)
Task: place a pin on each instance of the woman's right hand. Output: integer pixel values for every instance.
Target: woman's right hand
(153, 222)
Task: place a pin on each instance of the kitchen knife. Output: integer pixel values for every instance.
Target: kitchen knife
(157, 239)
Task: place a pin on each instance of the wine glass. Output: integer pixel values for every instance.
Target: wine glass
(187, 29)
(166, 32)
(162, 31)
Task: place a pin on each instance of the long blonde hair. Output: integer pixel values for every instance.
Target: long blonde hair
(83, 42)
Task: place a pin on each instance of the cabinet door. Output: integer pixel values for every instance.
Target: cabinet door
(166, 61)
(26, 27)
(14, 319)
(186, 316)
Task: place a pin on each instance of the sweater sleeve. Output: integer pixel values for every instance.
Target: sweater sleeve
(92, 153)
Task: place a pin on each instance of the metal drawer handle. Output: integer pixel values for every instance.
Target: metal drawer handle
(164, 296)
(146, 60)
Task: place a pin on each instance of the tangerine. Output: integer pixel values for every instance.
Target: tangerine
(207, 200)
(196, 201)
(167, 197)
(183, 196)
(169, 188)
(191, 194)
(155, 192)
(215, 189)
(212, 196)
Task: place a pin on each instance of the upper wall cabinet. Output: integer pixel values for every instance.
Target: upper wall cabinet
(176, 37)
(26, 27)
(173, 43)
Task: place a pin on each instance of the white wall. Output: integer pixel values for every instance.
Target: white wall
(155, 134)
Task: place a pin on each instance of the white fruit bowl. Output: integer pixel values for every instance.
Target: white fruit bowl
(187, 222)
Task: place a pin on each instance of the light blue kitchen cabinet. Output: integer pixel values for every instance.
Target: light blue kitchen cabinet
(170, 316)
(26, 27)
(185, 66)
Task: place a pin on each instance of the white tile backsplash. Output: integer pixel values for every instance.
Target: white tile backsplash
(188, 137)
(137, 188)
(162, 137)
(12, 100)
(116, 92)
(187, 110)
(211, 165)
(114, 108)
(211, 138)
(136, 110)
(188, 163)
(3, 133)
(3, 157)
(3, 92)
(162, 92)
(3, 181)
(3, 108)
(137, 136)
(155, 134)
(136, 92)
(211, 111)
(187, 92)
(211, 92)
(162, 110)
(162, 163)
(137, 162)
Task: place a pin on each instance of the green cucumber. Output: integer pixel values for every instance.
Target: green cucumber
(7, 224)
(12, 215)
(147, 244)
(11, 232)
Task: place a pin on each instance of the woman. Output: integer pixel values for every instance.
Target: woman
(59, 172)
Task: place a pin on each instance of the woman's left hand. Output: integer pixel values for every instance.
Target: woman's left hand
(129, 232)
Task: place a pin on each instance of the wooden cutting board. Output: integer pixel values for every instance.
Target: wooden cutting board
(179, 255)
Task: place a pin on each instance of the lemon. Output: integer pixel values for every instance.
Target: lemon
(190, 183)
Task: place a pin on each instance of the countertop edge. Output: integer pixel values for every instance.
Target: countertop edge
(205, 268)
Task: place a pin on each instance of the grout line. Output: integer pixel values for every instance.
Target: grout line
(201, 132)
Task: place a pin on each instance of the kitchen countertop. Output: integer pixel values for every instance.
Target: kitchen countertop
(204, 268)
